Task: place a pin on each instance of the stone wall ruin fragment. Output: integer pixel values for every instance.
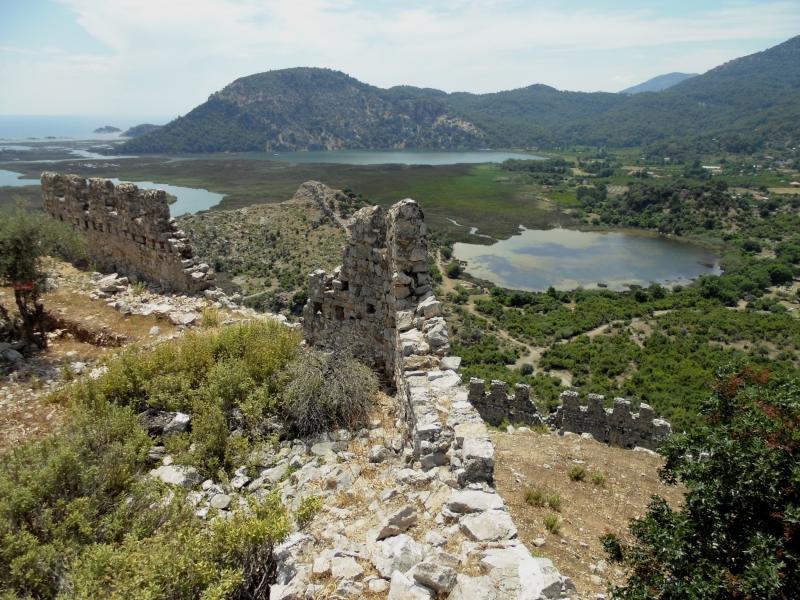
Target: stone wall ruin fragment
(129, 230)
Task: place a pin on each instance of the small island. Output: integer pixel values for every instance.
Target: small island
(107, 129)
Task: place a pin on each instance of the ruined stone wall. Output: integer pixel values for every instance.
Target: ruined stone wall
(618, 426)
(497, 405)
(381, 297)
(376, 291)
(128, 230)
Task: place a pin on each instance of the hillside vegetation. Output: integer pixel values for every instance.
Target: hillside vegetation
(741, 105)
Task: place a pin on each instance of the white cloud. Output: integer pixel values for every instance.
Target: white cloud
(168, 55)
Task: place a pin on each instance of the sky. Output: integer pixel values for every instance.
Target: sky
(163, 57)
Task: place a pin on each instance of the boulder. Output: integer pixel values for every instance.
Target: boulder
(488, 526)
(181, 475)
(398, 522)
(472, 501)
(403, 588)
(434, 575)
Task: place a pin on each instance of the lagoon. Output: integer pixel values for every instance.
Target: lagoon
(188, 200)
(378, 157)
(566, 259)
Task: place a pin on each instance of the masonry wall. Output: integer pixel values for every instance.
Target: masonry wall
(374, 295)
(129, 230)
(381, 295)
(618, 426)
(497, 405)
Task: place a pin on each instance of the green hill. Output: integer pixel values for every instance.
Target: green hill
(744, 104)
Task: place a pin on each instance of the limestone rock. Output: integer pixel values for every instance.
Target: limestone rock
(181, 475)
(397, 553)
(403, 588)
(440, 578)
(488, 526)
(471, 501)
(398, 522)
(473, 588)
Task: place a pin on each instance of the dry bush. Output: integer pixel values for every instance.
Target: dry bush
(328, 391)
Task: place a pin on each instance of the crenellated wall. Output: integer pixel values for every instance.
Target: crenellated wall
(497, 405)
(129, 230)
(618, 426)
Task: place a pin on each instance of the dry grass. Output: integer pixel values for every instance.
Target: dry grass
(542, 462)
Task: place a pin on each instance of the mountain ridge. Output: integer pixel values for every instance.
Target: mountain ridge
(658, 83)
(747, 102)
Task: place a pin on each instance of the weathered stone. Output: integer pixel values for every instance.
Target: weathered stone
(181, 475)
(470, 501)
(127, 229)
(440, 578)
(473, 588)
(397, 553)
(403, 588)
(183, 318)
(398, 522)
(220, 501)
(488, 526)
(452, 363)
(345, 567)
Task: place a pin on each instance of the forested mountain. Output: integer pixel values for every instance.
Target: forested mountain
(658, 83)
(741, 105)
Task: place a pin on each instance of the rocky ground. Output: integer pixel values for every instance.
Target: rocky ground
(92, 315)
(383, 526)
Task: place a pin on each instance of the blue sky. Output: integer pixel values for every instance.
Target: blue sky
(163, 57)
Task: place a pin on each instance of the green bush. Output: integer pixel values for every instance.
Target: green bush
(598, 479)
(208, 374)
(454, 269)
(535, 497)
(737, 535)
(554, 502)
(80, 519)
(327, 391)
(309, 507)
(577, 473)
(552, 523)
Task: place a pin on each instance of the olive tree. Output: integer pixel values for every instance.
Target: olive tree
(25, 238)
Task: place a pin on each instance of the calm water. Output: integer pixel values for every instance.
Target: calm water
(22, 127)
(11, 179)
(189, 200)
(383, 157)
(565, 259)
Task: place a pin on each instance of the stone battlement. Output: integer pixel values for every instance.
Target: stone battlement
(129, 230)
(618, 426)
(498, 405)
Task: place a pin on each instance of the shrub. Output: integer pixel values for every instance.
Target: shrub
(737, 535)
(454, 269)
(577, 473)
(599, 479)
(535, 497)
(552, 523)
(526, 369)
(328, 391)
(210, 317)
(554, 502)
(309, 507)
